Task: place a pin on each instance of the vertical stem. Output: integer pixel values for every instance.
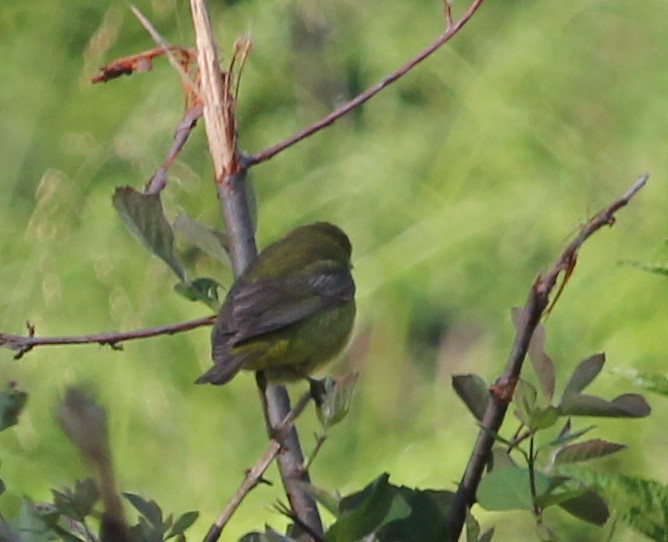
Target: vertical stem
(230, 176)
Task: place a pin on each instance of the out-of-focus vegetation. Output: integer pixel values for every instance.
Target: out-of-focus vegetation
(456, 185)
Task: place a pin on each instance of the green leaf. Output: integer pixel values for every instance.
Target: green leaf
(425, 520)
(12, 402)
(214, 243)
(524, 399)
(182, 523)
(543, 418)
(201, 289)
(584, 451)
(589, 507)
(145, 218)
(584, 374)
(510, 489)
(362, 512)
(148, 509)
(629, 405)
(77, 503)
(566, 436)
(473, 391)
(330, 500)
(641, 504)
(335, 404)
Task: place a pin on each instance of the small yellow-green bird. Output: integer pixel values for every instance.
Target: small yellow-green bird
(290, 312)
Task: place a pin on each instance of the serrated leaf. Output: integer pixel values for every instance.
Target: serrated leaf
(584, 374)
(214, 243)
(589, 507)
(584, 451)
(12, 402)
(473, 391)
(542, 363)
(629, 405)
(335, 404)
(510, 489)
(145, 218)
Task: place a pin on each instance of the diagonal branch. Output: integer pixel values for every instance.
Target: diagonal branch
(452, 28)
(22, 344)
(501, 393)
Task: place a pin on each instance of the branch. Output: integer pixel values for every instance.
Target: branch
(501, 392)
(22, 344)
(230, 174)
(254, 476)
(450, 31)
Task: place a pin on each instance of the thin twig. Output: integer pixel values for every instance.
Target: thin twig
(22, 344)
(187, 81)
(254, 475)
(502, 391)
(450, 31)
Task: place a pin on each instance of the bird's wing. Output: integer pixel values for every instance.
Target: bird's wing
(270, 304)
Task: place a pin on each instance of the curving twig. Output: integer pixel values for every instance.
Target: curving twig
(254, 475)
(22, 344)
(501, 393)
(451, 29)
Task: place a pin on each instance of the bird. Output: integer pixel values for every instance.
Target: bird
(290, 311)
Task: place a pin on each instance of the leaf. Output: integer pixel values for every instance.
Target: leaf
(566, 436)
(201, 289)
(629, 405)
(12, 402)
(426, 521)
(524, 399)
(182, 523)
(542, 363)
(214, 243)
(335, 404)
(584, 374)
(589, 507)
(362, 512)
(641, 504)
(145, 218)
(510, 489)
(77, 503)
(543, 418)
(148, 509)
(584, 451)
(473, 391)
(329, 499)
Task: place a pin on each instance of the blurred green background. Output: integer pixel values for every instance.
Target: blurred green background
(457, 185)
